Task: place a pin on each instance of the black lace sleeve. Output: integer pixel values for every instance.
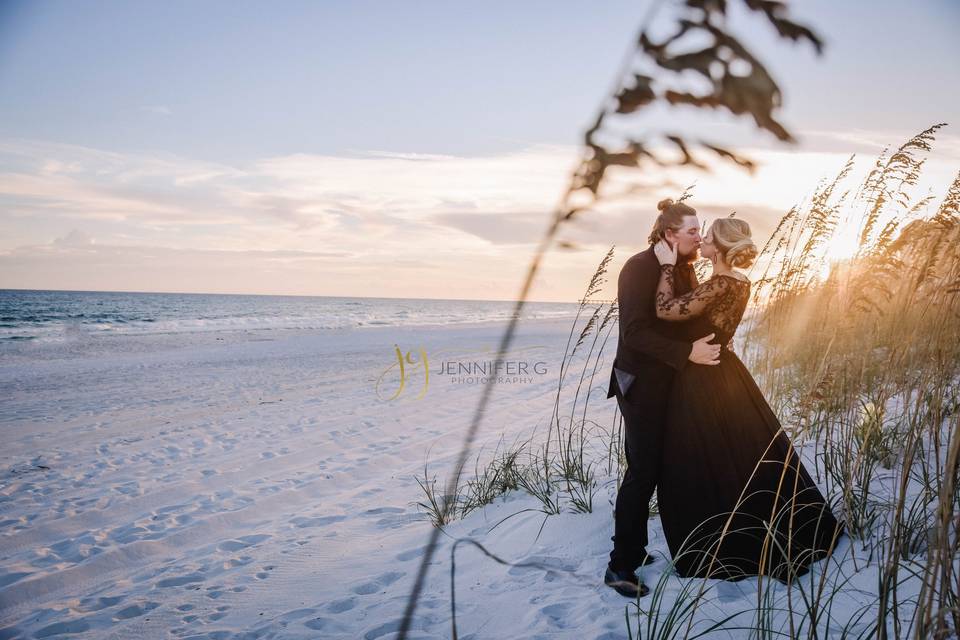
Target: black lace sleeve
(689, 304)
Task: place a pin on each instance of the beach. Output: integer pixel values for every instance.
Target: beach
(221, 480)
(257, 269)
(256, 484)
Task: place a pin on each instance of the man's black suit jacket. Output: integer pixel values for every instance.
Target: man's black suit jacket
(650, 349)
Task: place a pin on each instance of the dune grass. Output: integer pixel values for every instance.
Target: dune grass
(859, 355)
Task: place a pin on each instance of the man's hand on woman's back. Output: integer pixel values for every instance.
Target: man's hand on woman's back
(705, 353)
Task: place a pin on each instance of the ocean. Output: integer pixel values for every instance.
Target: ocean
(30, 316)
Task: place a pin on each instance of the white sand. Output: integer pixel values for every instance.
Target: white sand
(252, 488)
(237, 485)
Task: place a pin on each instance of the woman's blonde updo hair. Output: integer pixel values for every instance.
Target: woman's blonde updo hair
(671, 217)
(732, 238)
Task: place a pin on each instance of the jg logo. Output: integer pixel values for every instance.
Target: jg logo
(411, 370)
(413, 364)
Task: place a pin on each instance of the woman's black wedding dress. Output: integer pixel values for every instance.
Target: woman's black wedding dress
(720, 434)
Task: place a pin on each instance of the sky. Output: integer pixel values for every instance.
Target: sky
(399, 149)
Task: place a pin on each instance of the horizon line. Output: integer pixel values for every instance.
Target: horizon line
(282, 295)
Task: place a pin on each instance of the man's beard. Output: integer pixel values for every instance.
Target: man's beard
(688, 258)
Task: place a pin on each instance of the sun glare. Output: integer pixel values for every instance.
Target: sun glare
(841, 247)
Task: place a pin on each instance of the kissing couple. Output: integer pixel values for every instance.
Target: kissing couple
(734, 499)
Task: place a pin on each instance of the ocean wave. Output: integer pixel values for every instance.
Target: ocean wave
(49, 316)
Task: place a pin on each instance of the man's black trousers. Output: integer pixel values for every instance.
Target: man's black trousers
(644, 417)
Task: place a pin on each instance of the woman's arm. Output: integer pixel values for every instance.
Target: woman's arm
(690, 304)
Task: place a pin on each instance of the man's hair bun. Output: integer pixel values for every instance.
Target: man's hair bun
(663, 204)
(670, 217)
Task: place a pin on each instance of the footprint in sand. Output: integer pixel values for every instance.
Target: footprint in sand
(242, 542)
(96, 604)
(172, 508)
(14, 523)
(399, 520)
(394, 625)
(269, 490)
(77, 549)
(134, 610)
(296, 614)
(555, 613)
(220, 614)
(10, 578)
(179, 581)
(263, 575)
(380, 510)
(342, 605)
(378, 583)
(129, 488)
(301, 522)
(237, 562)
(8, 633)
(410, 554)
(58, 628)
(551, 568)
(328, 625)
(215, 591)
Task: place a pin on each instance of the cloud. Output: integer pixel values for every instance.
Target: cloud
(421, 157)
(75, 238)
(498, 228)
(78, 238)
(593, 230)
(159, 110)
(873, 141)
(75, 262)
(371, 223)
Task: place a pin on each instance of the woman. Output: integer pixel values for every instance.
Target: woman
(734, 498)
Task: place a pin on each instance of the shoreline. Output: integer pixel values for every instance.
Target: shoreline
(97, 344)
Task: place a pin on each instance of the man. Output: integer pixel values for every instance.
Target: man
(649, 352)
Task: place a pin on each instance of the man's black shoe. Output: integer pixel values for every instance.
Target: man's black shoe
(625, 583)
